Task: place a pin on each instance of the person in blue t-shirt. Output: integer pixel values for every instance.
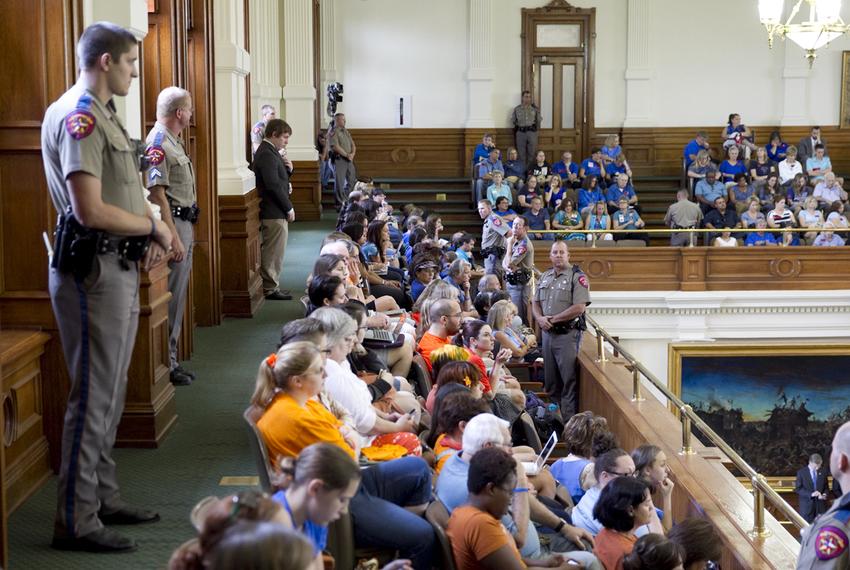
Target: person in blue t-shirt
(567, 170)
(503, 210)
(482, 150)
(618, 166)
(736, 133)
(776, 149)
(538, 219)
(732, 166)
(591, 166)
(589, 195)
(761, 237)
(693, 147)
(424, 271)
(514, 170)
(529, 191)
(484, 172)
(621, 189)
(626, 218)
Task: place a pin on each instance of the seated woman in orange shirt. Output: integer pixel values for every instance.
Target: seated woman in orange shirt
(393, 494)
(624, 506)
(479, 540)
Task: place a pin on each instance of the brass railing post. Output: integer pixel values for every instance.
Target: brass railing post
(636, 389)
(687, 448)
(600, 346)
(759, 529)
(593, 239)
(691, 236)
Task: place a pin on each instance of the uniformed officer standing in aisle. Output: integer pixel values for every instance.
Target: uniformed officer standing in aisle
(493, 238)
(562, 294)
(171, 180)
(825, 544)
(259, 129)
(107, 227)
(526, 121)
(519, 265)
(344, 149)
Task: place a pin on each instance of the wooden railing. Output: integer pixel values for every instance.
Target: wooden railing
(750, 535)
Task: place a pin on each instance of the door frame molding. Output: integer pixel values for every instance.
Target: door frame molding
(562, 12)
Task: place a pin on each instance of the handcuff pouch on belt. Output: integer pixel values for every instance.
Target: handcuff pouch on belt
(519, 277)
(187, 213)
(495, 250)
(75, 246)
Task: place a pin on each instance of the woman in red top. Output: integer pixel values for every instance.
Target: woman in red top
(477, 337)
(624, 506)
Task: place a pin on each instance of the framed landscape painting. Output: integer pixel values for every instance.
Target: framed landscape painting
(775, 403)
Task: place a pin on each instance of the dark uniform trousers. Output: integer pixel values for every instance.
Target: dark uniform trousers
(560, 352)
(97, 319)
(178, 284)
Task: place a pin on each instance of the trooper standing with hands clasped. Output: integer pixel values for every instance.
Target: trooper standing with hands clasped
(562, 295)
(106, 228)
(526, 120)
(519, 265)
(171, 181)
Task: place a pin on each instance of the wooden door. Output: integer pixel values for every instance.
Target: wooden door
(558, 92)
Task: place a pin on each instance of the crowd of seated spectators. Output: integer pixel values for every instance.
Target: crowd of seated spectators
(782, 186)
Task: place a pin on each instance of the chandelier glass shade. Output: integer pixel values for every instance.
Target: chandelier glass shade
(824, 23)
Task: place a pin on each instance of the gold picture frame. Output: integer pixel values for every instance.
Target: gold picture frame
(844, 119)
(777, 392)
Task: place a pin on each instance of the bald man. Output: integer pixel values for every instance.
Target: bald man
(446, 317)
(825, 543)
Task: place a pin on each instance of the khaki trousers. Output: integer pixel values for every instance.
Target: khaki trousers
(178, 284)
(274, 234)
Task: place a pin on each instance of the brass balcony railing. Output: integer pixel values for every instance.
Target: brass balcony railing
(690, 420)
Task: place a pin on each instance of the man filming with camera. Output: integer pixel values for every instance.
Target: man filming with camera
(343, 148)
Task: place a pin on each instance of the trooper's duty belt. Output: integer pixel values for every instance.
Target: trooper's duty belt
(578, 323)
(519, 277)
(495, 250)
(186, 213)
(531, 129)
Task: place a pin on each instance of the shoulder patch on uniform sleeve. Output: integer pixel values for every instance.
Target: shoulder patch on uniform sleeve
(582, 280)
(831, 542)
(79, 123)
(155, 154)
(520, 249)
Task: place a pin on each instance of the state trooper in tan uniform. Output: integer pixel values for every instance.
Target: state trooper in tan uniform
(171, 180)
(493, 238)
(259, 128)
(825, 544)
(559, 303)
(519, 266)
(526, 120)
(105, 229)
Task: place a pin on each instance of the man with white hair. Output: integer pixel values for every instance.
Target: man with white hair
(258, 130)
(486, 430)
(825, 543)
(171, 181)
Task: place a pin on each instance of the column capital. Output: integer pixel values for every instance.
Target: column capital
(232, 58)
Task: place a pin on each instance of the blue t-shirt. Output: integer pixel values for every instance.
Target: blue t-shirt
(590, 166)
(464, 256)
(416, 288)
(461, 295)
(538, 221)
(612, 151)
(494, 192)
(709, 192)
(614, 194)
(692, 148)
(481, 153)
(568, 474)
(505, 213)
(589, 197)
(369, 251)
(487, 167)
(613, 169)
(562, 170)
(755, 239)
(779, 154)
(316, 534)
(514, 168)
(555, 196)
(628, 220)
(728, 171)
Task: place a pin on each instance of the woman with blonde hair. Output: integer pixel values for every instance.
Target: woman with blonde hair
(810, 217)
(499, 318)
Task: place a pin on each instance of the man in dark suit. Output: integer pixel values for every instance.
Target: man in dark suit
(806, 147)
(273, 170)
(811, 488)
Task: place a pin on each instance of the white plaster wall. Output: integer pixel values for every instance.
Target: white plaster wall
(707, 59)
(402, 47)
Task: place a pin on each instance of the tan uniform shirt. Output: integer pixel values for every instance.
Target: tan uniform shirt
(526, 116)
(825, 543)
(558, 290)
(169, 166)
(494, 232)
(684, 214)
(521, 256)
(342, 138)
(258, 132)
(81, 134)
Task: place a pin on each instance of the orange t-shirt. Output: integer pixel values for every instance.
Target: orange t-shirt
(612, 546)
(287, 428)
(444, 448)
(475, 535)
(428, 344)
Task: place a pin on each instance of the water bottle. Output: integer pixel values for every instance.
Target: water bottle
(552, 407)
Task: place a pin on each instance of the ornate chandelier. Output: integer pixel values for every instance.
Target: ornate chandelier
(823, 25)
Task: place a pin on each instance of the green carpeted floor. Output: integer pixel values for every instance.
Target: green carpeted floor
(208, 442)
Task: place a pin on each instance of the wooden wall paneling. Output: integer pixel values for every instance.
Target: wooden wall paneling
(704, 486)
(306, 190)
(205, 286)
(241, 285)
(712, 269)
(24, 446)
(410, 153)
(149, 409)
